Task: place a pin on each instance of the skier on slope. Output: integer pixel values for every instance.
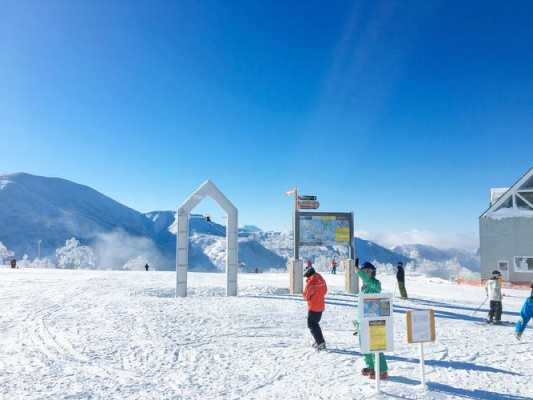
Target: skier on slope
(371, 285)
(333, 266)
(493, 288)
(314, 292)
(400, 277)
(525, 315)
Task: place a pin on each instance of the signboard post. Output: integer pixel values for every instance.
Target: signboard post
(376, 327)
(320, 229)
(421, 329)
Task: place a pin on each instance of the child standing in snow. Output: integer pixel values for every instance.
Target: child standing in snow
(525, 315)
(494, 293)
(314, 292)
(371, 285)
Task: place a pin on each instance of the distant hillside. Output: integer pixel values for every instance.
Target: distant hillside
(52, 210)
(420, 252)
(281, 243)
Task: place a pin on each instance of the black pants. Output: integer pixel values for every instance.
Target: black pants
(313, 318)
(495, 310)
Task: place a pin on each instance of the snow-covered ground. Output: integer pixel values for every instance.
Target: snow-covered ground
(68, 334)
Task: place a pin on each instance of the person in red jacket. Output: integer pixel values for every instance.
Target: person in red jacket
(314, 292)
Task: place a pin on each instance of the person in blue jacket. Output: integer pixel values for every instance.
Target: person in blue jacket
(525, 315)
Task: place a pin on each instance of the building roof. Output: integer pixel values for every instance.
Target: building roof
(516, 201)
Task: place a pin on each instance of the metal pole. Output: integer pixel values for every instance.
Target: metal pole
(481, 305)
(378, 372)
(294, 231)
(422, 369)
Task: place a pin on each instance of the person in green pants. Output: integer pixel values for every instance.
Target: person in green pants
(367, 273)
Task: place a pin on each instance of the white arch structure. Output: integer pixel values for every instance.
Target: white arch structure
(208, 188)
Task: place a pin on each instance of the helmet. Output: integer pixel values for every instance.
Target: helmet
(368, 265)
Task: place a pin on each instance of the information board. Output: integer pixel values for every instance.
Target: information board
(324, 229)
(376, 322)
(421, 326)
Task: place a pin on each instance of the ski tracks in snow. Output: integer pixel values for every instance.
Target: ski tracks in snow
(122, 335)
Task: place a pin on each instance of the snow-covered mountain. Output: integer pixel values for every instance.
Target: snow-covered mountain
(465, 258)
(52, 210)
(281, 243)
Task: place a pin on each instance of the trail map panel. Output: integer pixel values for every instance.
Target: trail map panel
(324, 229)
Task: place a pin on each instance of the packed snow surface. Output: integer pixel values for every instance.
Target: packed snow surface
(69, 334)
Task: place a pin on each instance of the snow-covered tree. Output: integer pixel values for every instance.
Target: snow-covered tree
(5, 254)
(40, 263)
(72, 255)
(136, 264)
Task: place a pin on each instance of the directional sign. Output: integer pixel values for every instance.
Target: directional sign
(307, 197)
(308, 204)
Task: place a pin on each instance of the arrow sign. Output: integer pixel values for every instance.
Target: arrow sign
(308, 204)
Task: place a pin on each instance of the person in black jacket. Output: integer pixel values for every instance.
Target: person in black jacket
(400, 277)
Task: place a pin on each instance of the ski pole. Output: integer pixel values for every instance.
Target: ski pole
(481, 305)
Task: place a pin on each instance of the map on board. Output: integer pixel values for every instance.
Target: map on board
(324, 230)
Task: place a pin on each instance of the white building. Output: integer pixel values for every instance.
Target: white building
(506, 232)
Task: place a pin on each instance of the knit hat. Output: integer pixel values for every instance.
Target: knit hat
(309, 270)
(368, 265)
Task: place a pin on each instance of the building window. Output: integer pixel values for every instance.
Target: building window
(503, 266)
(521, 204)
(523, 264)
(506, 204)
(528, 196)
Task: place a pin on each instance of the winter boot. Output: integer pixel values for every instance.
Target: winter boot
(383, 375)
(367, 371)
(321, 346)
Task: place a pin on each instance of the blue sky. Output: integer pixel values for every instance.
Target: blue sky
(405, 114)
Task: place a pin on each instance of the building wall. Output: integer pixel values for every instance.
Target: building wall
(502, 240)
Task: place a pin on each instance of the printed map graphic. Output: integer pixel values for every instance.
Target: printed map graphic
(324, 230)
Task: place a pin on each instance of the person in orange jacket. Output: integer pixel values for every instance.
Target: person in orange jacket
(314, 292)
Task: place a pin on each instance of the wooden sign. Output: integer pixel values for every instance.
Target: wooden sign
(421, 326)
(308, 204)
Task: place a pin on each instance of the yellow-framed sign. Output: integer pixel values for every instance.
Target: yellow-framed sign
(376, 322)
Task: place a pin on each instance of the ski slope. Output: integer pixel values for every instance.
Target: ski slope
(122, 335)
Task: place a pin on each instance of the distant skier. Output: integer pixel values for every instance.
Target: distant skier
(493, 288)
(147, 267)
(371, 285)
(400, 277)
(13, 263)
(314, 292)
(334, 266)
(525, 315)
